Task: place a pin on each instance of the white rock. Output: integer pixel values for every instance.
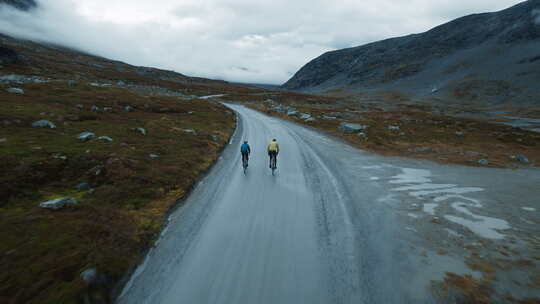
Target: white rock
(86, 135)
(15, 90)
(58, 203)
(43, 124)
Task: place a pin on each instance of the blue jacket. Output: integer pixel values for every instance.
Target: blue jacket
(245, 148)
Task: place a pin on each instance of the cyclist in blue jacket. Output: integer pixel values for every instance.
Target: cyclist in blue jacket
(245, 150)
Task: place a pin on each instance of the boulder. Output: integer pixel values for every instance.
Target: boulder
(15, 90)
(105, 138)
(279, 109)
(86, 136)
(44, 124)
(79, 106)
(326, 117)
(129, 108)
(304, 116)
(393, 128)
(349, 128)
(311, 119)
(521, 158)
(83, 187)
(361, 134)
(190, 131)
(483, 162)
(292, 113)
(95, 108)
(90, 275)
(72, 83)
(140, 130)
(460, 134)
(58, 203)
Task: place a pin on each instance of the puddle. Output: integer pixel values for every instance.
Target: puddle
(419, 184)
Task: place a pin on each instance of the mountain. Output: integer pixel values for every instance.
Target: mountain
(24, 5)
(490, 56)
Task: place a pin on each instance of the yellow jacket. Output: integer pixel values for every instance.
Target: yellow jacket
(273, 146)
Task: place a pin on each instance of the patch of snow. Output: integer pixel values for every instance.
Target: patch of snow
(412, 176)
(211, 96)
(460, 190)
(371, 167)
(452, 232)
(424, 187)
(484, 226)
(413, 215)
(430, 208)
(374, 178)
(528, 208)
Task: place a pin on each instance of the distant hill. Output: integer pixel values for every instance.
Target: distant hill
(493, 57)
(20, 4)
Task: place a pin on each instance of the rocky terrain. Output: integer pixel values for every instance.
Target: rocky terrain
(20, 4)
(94, 153)
(483, 59)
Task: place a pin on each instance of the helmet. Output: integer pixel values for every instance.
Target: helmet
(245, 141)
(274, 139)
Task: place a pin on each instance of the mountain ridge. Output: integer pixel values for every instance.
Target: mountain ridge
(387, 64)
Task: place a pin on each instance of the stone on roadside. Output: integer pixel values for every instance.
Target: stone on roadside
(90, 275)
(521, 158)
(58, 203)
(140, 130)
(326, 117)
(83, 187)
(86, 135)
(349, 128)
(105, 138)
(304, 116)
(15, 90)
(483, 162)
(43, 124)
(292, 113)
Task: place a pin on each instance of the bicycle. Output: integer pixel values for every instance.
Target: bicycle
(245, 160)
(273, 162)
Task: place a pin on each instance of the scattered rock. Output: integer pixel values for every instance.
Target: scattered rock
(459, 133)
(107, 109)
(350, 128)
(44, 124)
(105, 138)
(344, 115)
(326, 117)
(72, 83)
(89, 275)
(154, 156)
(140, 130)
(520, 158)
(129, 109)
(311, 119)
(483, 162)
(189, 131)
(60, 156)
(15, 90)
(86, 135)
(361, 134)
(79, 106)
(58, 203)
(292, 113)
(393, 128)
(280, 109)
(95, 108)
(304, 116)
(83, 186)
(120, 83)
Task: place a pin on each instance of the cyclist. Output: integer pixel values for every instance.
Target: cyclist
(273, 150)
(245, 150)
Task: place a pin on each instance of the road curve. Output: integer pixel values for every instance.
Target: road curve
(315, 232)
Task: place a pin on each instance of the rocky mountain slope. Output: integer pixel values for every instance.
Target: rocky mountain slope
(20, 4)
(493, 57)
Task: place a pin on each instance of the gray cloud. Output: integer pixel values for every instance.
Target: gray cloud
(241, 40)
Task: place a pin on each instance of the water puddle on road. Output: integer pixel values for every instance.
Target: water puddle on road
(418, 183)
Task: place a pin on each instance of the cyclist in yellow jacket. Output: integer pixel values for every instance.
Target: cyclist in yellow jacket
(273, 150)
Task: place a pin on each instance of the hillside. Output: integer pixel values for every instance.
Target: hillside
(120, 145)
(491, 57)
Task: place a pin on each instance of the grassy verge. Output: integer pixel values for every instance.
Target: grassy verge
(43, 252)
(413, 132)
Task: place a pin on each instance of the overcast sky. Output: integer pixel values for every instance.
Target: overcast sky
(235, 40)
